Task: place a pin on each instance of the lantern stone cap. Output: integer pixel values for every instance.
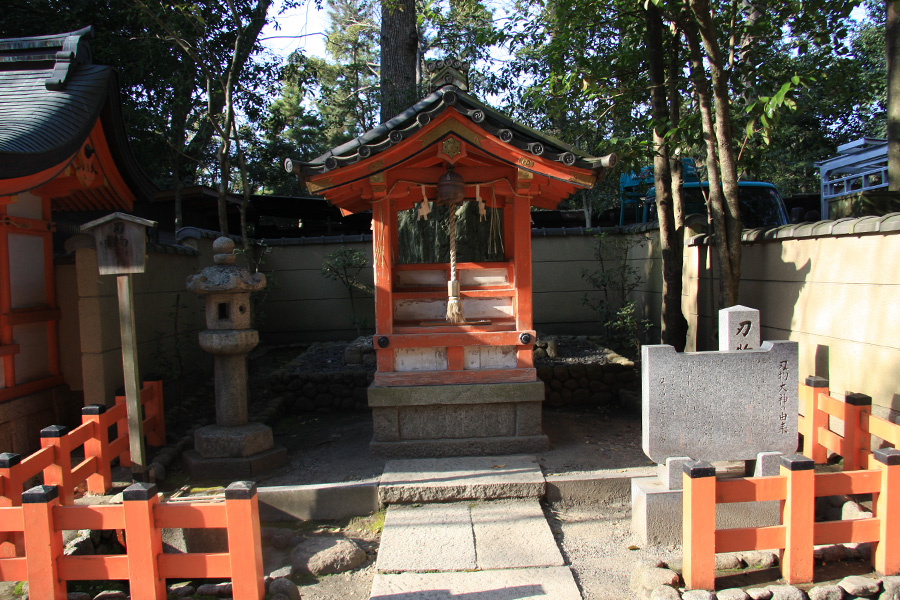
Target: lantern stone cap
(118, 216)
(224, 251)
(225, 277)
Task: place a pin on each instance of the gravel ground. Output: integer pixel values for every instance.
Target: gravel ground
(597, 543)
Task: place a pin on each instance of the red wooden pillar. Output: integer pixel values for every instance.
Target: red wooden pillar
(815, 418)
(11, 543)
(98, 446)
(43, 543)
(60, 472)
(50, 292)
(857, 440)
(244, 541)
(143, 542)
(523, 281)
(382, 253)
(699, 525)
(886, 554)
(522, 260)
(798, 518)
(509, 229)
(6, 330)
(155, 430)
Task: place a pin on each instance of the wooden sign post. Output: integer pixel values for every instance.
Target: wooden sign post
(121, 251)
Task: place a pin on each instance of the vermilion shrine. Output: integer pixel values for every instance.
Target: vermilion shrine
(453, 333)
(63, 149)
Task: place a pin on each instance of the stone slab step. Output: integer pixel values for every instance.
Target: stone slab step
(513, 533)
(464, 536)
(545, 583)
(465, 478)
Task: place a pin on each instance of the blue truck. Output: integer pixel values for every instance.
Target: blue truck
(760, 203)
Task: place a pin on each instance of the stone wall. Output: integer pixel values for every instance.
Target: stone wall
(592, 384)
(312, 391)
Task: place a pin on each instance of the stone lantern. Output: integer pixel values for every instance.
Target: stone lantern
(233, 447)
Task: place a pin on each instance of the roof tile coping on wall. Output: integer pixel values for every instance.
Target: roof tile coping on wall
(171, 249)
(848, 226)
(83, 240)
(567, 231)
(197, 233)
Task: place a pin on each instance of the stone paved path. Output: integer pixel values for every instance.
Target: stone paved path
(460, 545)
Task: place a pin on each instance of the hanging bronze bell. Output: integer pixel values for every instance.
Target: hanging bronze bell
(450, 187)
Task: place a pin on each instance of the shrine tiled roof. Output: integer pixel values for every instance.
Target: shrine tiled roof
(51, 97)
(495, 123)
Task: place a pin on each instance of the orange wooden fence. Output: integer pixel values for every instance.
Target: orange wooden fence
(797, 487)
(54, 459)
(859, 425)
(42, 519)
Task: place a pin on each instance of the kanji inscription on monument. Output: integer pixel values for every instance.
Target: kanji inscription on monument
(719, 405)
(739, 328)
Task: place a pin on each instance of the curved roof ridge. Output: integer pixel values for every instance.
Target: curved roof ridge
(417, 116)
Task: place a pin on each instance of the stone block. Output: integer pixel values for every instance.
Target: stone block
(427, 395)
(528, 418)
(513, 534)
(670, 474)
(453, 479)
(485, 446)
(768, 464)
(232, 469)
(385, 424)
(215, 441)
(739, 329)
(98, 334)
(656, 513)
(430, 537)
(612, 486)
(716, 406)
(328, 501)
(457, 421)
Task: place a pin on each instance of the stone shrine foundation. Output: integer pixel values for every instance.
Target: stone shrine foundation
(457, 420)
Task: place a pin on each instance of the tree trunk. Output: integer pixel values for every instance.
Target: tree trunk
(676, 165)
(399, 52)
(729, 236)
(222, 202)
(245, 196)
(892, 39)
(715, 200)
(674, 325)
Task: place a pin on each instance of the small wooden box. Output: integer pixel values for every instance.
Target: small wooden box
(121, 243)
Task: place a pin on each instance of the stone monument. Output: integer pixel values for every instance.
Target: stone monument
(739, 403)
(233, 448)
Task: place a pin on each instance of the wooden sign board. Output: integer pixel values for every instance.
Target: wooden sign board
(121, 243)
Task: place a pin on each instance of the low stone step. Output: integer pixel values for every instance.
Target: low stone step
(465, 478)
(465, 536)
(544, 583)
